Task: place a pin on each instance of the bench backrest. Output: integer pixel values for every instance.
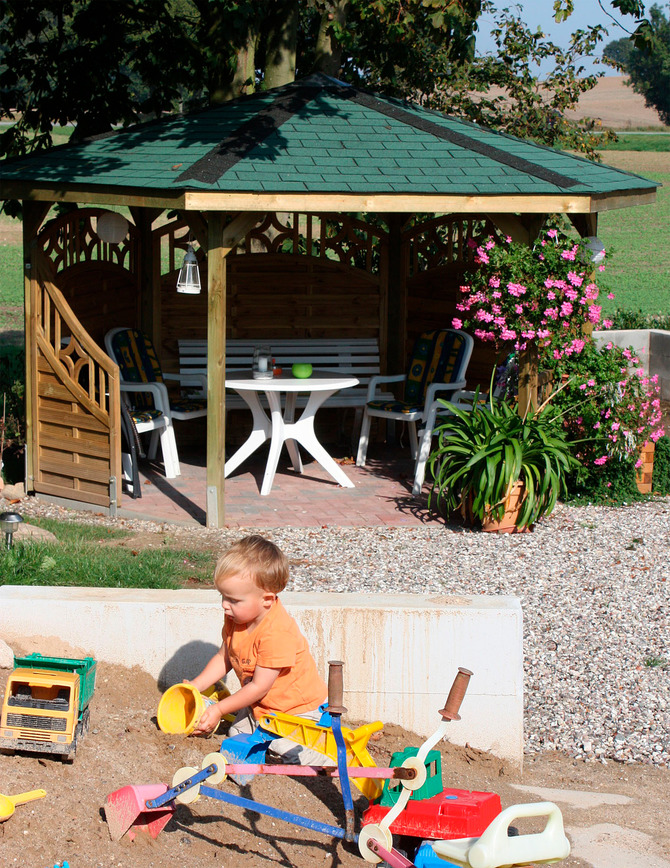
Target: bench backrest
(357, 356)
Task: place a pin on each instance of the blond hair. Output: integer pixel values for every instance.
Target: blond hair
(257, 557)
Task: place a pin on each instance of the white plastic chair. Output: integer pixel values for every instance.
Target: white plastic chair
(437, 414)
(431, 373)
(495, 848)
(156, 419)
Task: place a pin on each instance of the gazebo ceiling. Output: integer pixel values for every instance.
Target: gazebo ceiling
(321, 145)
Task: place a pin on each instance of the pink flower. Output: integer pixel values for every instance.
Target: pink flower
(552, 233)
(600, 461)
(610, 295)
(457, 323)
(607, 323)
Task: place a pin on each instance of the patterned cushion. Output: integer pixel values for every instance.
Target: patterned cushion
(395, 407)
(187, 405)
(436, 357)
(144, 415)
(137, 359)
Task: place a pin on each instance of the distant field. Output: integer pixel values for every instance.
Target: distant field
(657, 142)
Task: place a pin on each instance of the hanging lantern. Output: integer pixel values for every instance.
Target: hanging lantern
(112, 227)
(189, 275)
(595, 248)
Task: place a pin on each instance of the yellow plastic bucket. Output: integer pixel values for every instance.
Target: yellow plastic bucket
(180, 709)
(182, 705)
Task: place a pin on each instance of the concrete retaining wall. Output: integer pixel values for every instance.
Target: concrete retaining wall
(401, 652)
(652, 346)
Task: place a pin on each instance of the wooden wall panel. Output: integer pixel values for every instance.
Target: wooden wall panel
(103, 295)
(277, 295)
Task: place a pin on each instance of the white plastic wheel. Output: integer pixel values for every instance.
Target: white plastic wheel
(215, 759)
(373, 832)
(413, 762)
(190, 795)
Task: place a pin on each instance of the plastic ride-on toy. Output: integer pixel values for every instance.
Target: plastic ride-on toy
(466, 828)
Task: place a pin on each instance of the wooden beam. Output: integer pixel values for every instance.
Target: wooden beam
(86, 195)
(388, 202)
(237, 229)
(197, 223)
(522, 228)
(150, 294)
(216, 370)
(436, 203)
(396, 295)
(33, 217)
(585, 224)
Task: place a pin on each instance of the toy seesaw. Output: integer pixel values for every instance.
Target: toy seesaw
(469, 829)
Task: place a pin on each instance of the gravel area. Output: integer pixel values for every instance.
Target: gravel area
(594, 588)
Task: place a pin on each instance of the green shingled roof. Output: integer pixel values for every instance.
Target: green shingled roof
(319, 135)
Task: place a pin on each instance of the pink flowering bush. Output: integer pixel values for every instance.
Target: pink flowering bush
(610, 407)
(521, 295)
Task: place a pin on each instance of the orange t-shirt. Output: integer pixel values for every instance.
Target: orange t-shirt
(276, 643)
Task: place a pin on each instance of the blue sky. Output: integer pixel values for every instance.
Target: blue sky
(539, 13)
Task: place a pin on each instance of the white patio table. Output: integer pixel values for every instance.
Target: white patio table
(284, 428)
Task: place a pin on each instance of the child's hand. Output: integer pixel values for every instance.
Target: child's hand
(209, 720)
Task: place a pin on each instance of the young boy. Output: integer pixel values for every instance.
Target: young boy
(262, 643)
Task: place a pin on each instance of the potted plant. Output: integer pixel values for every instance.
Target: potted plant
(501, 470)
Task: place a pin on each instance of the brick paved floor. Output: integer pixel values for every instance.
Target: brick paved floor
(382, 494)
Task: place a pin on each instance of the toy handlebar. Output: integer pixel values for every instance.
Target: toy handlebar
(456, 694)
(335, 687)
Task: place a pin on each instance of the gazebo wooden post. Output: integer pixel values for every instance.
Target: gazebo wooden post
(33, 216)
(396, 297)
(524, 229)
(150, 276)
(220, 242)
(216, 368)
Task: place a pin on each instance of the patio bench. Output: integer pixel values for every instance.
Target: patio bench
(356, 356)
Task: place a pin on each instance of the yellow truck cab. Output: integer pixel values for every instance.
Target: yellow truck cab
(45, 710)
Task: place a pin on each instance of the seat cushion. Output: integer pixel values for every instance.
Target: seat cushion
(395, 407)
(436, 358)
(138, 363)
(187, 405)
(138, 415)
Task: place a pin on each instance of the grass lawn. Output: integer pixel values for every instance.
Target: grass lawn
(639, 142)
(638, 243)
(92, 556)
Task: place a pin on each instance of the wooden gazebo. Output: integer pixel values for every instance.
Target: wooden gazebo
(319, 210)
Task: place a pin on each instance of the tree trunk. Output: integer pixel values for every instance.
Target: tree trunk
(328, 50)
(281, 44)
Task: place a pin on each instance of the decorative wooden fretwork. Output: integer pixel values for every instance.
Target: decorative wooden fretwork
(443, 240)
(340, 238)
(71, 239)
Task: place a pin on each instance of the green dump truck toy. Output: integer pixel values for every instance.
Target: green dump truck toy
(46, 705)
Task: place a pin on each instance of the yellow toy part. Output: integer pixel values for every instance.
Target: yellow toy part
(495, 848)
(320, 738)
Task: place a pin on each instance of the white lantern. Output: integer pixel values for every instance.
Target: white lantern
(189, 276)
(595, 248)
(112, 227)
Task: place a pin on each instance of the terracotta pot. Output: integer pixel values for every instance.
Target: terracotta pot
(643, 477)
(507, 523)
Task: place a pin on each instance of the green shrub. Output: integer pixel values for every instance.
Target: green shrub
(636, 319)
(661, 474)
(612, 484)
(12, 394)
